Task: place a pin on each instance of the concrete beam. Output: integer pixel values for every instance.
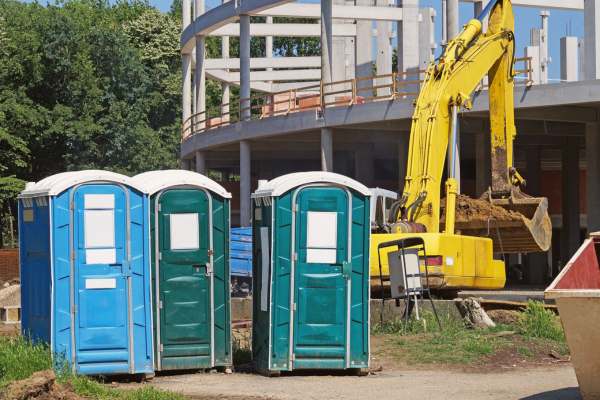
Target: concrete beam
(383, 59)
(276, 75)
(286, 30)
(359, 12)
(547, 4)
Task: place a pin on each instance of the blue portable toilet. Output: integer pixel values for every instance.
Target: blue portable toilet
(85, 284)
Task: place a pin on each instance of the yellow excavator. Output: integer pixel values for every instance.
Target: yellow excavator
(460, 249)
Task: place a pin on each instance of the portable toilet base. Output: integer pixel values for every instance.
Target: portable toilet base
(189, 216)
(311, 273)
(85, 286)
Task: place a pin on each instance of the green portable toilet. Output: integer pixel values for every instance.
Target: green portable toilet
(310, 273)
(189, 222)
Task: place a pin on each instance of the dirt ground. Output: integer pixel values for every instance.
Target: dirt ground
(556, 383)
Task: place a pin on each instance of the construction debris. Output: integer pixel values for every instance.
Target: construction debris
(469, 210)
(473, 314)
(39, 386)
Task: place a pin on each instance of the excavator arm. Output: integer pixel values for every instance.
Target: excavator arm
(448, 87)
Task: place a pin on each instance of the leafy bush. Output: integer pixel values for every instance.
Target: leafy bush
(538, 322)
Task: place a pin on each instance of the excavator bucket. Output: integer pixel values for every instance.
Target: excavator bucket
(517, 224)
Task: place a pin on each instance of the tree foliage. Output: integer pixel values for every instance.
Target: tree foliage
(86, 84)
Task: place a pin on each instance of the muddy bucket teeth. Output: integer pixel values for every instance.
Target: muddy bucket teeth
(517, 224)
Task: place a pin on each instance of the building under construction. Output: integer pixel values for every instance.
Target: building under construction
(349, 110)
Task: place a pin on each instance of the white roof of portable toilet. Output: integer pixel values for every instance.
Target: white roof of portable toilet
(58, 183)
(280, 185)
(155, 181)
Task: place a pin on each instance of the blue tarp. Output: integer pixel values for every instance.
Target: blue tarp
(241, 251)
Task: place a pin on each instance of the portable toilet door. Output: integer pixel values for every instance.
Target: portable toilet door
(311, 243)
(98, 297)
(190, 268)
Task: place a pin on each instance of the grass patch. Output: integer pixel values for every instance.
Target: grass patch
(20, 358)
(537, 332)
(538, 322)
(92, 389)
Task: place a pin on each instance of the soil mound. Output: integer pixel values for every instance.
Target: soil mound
(39, 386)
(468, 210)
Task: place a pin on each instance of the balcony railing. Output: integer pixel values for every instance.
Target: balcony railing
(394, 86)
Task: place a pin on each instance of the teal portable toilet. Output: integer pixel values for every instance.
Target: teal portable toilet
(311, 235)
(189, 246)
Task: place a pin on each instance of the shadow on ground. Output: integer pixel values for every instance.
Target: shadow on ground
(571, 393)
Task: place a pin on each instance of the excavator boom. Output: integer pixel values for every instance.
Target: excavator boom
(507, 220)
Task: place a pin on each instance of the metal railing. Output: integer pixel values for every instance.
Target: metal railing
(344, 93)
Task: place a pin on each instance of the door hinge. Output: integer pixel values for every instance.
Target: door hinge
(296, 257)
(293, 356)
(159, 208)
(161, 348)
(209, 269)
(294, 307)
(159, 256)
(160, 304)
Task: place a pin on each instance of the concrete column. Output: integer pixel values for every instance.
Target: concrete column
(569, 58)
(184, 164)
(581, 59)
(478, 6)
(482, 162)
(592, 150)
(327, 149)
(245, 67)
(591, 27)
(364, 164)
(269, 42)
(544, 54)
(363, 50)
(408, 39)
(453, 20)
(186, 16)
(536, 263)
(533, 52)
(534, 171)
(570, 200)
(404, 140)
(427, 43)
(200, 83)
(201, 162)
(444, 22)
(225, 93)
(245, 183)
(198, 8)
(384, 51)
(186, 93)
(326, 41)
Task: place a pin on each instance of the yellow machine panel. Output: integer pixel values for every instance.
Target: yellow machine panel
(466, 261)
